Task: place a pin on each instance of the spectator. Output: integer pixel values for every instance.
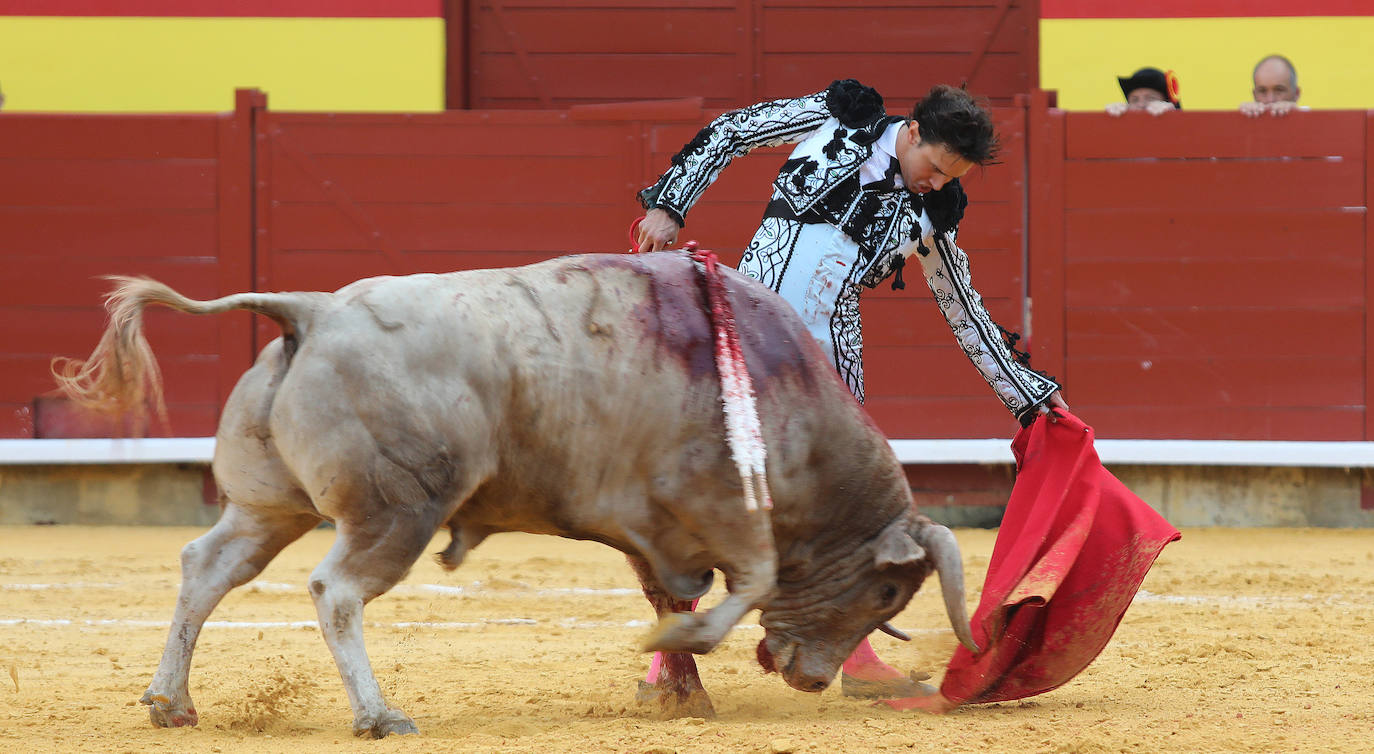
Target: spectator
(1275, 88)
(1148, 89)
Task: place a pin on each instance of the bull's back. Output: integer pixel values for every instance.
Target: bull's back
(558, 385)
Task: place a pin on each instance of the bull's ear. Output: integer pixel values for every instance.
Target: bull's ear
(896, 547)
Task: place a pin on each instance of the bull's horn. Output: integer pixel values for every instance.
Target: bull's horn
(892, 631)
(944, 552)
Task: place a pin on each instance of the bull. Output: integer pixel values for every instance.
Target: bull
(576, 397)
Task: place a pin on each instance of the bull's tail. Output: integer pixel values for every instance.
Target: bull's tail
(121, 376)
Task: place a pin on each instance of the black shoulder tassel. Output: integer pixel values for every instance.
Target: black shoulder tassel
(898, 262)
(853, 103)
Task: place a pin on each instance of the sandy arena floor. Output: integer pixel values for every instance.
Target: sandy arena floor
(1242, 640)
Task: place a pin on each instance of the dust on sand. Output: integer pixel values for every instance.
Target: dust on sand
(1252, 640)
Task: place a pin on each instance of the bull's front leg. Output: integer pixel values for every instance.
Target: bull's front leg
(673, 680)
(699, 633)
(751, 578)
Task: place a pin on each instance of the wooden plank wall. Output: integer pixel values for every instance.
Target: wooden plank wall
(1201, 276)
(553, 54)
(1212, 273)
(85, 196)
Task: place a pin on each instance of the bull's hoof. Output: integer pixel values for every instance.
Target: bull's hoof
(164, 713)
(647, 693)
(671, 705)
(391, 721)
(886, 688)
(680, 632)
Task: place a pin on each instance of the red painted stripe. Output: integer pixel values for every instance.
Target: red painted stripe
(226, 8)
(1201, 8)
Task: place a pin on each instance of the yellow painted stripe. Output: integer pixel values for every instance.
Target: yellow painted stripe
(194, 64)
(1212, 56)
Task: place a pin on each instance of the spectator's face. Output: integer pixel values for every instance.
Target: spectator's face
(925, 166)
(1139, 99)
(1274, 83)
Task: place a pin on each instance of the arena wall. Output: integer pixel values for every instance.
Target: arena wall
(1200, 276)
(82, 196)
(182, 494)
(1205, 275)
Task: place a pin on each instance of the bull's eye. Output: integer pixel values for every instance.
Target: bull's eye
(889, 594)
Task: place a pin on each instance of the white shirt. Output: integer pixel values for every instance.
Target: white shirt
(884, 152)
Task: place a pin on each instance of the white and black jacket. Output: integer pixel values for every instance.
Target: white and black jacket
(820, 183)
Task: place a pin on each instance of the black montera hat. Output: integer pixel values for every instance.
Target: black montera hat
(1151, 78)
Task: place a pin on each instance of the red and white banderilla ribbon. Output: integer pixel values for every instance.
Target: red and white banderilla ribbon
(743, 432)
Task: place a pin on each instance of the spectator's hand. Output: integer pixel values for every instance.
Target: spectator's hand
(657, 231)
(1159, 107)
(1282, 108)
(1252, 109)
(1117, 109)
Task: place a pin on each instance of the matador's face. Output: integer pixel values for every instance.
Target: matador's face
(927, 166)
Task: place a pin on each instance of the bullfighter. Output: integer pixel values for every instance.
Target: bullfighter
(861, 194)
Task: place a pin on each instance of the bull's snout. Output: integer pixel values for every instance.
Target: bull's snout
(818, 684)
(809, 682)
(802, 669)
(808, 673)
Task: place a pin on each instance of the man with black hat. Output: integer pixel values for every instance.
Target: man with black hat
(1148, 89)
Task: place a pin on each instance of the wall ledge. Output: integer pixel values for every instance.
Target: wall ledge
(912, 452)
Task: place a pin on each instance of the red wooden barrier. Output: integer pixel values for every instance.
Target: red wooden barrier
(83, 196)
(1368, 344)
(1210, 270)
(1198, 275)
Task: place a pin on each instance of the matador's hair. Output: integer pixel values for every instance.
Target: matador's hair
(952, 117)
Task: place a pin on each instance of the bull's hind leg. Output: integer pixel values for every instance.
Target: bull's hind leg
(676, 687)
(369, 556)
(234, 551)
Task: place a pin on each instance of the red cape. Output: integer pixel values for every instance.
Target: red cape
(1071, 552)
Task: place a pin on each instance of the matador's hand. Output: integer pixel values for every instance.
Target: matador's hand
(1054, 401)
(657, 231)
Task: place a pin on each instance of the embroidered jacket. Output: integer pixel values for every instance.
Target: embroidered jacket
(838, 129)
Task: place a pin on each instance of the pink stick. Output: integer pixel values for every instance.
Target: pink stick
(862, 656)
(654, 667)
(656, 664)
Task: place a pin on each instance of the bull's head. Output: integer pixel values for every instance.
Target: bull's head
(823, 609)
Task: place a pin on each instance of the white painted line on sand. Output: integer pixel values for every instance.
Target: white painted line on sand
(265, 587)
(569, 623)
(45, 587)
(1246, 601)
(516, 589)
